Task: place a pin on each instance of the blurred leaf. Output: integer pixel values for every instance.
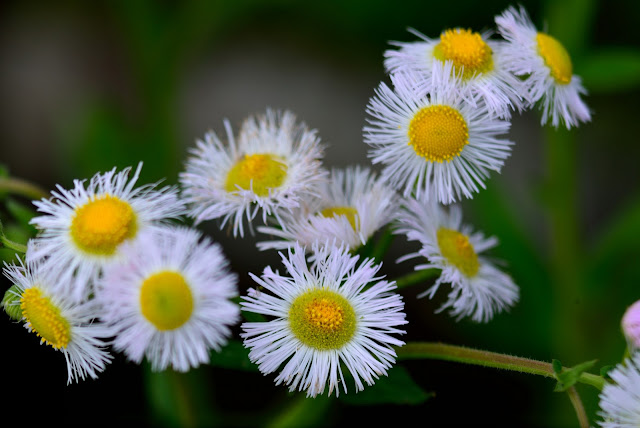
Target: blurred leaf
(23, 214)
(568, 377)
(179, 399)
(604, 370)
(557, 366)
(303, 412)
(617, 247)
(396, 388)
(233, 356)
(611, 70)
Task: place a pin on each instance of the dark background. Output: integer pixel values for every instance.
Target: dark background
(85, 86)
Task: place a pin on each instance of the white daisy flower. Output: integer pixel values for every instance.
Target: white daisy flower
(620, 400)
(168, 300)
(326, 315)
(479, 62)
(479, 290)
(66, 325)
(274, 165)
(83, 228)
(353, 204)
(438, 145)
(547, 67)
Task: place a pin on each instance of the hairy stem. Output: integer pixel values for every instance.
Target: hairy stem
(460, 354)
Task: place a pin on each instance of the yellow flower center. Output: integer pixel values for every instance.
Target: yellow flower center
(458, 251)
(438, 133)
(166, 300)
(350, 213)
(322, 319)
(556, 57)
(264, 171)
(100, 225)
(44, 318)
(466, 50)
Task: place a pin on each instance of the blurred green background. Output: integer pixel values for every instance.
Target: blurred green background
(85, 86)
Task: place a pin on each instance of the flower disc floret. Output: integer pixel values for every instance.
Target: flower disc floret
(322, 319)
(556, 58)
(166, 300)
(259, 172)
(349, 212)
(438, 133)
(44, 318)
(103, 223)
(458, 251)
(468, 51)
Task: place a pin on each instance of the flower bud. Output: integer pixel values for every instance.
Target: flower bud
(631, 326)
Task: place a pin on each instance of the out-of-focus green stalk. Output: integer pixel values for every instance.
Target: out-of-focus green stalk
(22, 188)
(304, 411)
(181, 400)
(570, 22)
(417, 277)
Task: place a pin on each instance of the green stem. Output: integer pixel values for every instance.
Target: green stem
(22, 187)
(8, 243)
(579, 408)
(460, 354)
(417, 277)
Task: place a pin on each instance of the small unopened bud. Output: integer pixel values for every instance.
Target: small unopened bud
(11, 303)
(631, 326)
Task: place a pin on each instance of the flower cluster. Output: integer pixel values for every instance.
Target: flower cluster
(109, 267)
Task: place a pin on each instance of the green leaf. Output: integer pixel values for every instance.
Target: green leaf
(604, 370)
(303, 411)
(611, 70)
(568, 377)
(557, 366)
(233, 356)
(396, 388)
(22, 214)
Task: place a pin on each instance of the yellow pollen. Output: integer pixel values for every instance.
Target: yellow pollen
(44, 318)
(438, 133)
(100, 225)
(322, 319)
(166, 300)
(458, 251)
(466, 50)
(350, 213)
(265, 171)
(556, 58)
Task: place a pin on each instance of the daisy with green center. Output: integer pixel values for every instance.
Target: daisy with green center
(620, 399)
(66, 325)
(438, 145)
(169, 300)
(274, 165)
(478, 61)
(327, 316)
(547, 68)
(353, 204)
(82, 229)
(478, 289)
